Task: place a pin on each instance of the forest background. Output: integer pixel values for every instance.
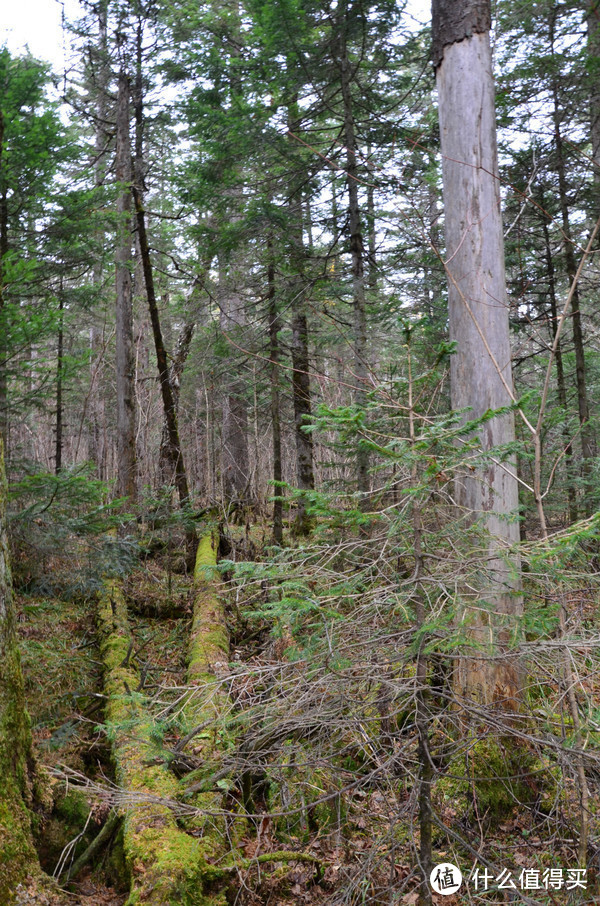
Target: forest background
(336, 563)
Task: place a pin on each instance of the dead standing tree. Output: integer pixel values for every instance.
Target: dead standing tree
(480, 373)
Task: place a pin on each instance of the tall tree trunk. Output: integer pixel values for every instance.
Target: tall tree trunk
(175, 455)
(3, 254)
(357, 254)
(173, 452)
(371, 232)
(59, 387)
(301, 390)
(235, 464)
(96, 445)
(593, 38)
(274, 328)
(175, 372)
(182, 351)
(480, 370)
(588, 440)
(561, 385)
(126, 460)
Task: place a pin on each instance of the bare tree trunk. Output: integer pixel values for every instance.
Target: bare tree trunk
(371, 232)
(182, 351)
(126, 460)
(274, 328)
(175, 372)
(593, 36)
(588, 440)
(3, 254)
(301, 391)
(173, 451)
(59, 387)
(480, 371)
(96, 445)
(170, 409)
(235, 464)
(305, 475)
(561, 386)
(357, 255)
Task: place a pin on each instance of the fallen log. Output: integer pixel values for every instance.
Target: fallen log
(166, 864)
(208, 706)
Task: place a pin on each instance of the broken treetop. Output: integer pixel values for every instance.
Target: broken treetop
(455, 20)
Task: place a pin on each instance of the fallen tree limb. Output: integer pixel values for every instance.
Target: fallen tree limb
(97, 844)
(279, 856)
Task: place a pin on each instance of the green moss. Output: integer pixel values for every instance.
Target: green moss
(73, 808)
(116, 869)
(166, 865)
(64, 824)
(492, 778)
(17, 855)
(174, 869)
(206, 556)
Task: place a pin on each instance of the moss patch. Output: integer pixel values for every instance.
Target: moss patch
(493, 777)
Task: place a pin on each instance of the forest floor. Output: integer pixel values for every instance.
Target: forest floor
(65, 693)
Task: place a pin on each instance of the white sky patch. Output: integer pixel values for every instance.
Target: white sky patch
(36, 25)
(418, 12)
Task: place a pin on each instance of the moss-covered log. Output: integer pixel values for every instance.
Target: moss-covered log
(208, 657)
(209, 640)
(167, 865)
(17, 853)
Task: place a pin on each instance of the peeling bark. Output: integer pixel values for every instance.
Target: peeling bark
(480, 371)
(453, 22)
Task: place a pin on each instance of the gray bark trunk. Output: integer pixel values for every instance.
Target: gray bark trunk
(588, 440)
(301, 391)
(235, 462)
(358, 264)
(593, 33)
(125, 364)
(274, 328)
(96, 444)
(480, 371)
(561, 385)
